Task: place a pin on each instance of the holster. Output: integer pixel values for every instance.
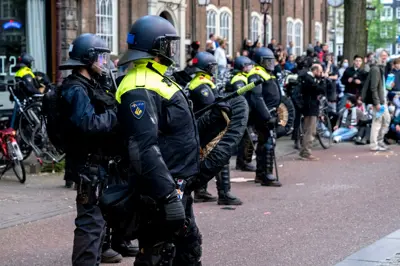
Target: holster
(90, 185)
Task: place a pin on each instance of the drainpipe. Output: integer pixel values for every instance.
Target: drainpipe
(129, 13)
(194, 21)
(242, 28)
(58, 42)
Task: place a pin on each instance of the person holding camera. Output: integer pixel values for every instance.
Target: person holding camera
(353, 79)
(311, 89)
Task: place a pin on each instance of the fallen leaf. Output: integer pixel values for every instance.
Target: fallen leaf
(267, 213)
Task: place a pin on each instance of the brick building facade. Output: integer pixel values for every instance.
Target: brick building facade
(302, 21)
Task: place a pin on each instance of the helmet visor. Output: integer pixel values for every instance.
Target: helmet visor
(268, 63)
(247, 68)
(104, 62)
(169, 47)
(212, 69)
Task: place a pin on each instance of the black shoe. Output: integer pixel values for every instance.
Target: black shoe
(227, 198)
(110, 256)
(203, 196)
(68, 183)
(245, 167)
(126, 249)
(270, 181)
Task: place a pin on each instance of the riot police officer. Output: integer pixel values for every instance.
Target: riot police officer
(86, 130)
(161, 134)
(202, 93)
(242, 66)
(261, 100)
(27, 79)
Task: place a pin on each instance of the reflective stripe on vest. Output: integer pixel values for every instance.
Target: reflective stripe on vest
(239, 77)
(261, 72)
(23, 72)
(142, 77)
(201, 79)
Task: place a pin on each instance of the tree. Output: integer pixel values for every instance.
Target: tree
(355, 34)
(381, 31)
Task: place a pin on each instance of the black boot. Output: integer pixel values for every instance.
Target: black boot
(225, 197)
(202, 195)
(245, 154)
(125, 248)
(69, 183)
(108, 255)
(269, 179)
(297, 145)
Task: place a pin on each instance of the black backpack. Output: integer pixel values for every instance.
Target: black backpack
(54, 109)
(297, 95)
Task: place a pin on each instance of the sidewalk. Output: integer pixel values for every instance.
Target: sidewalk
(44, 195)
(384, 252)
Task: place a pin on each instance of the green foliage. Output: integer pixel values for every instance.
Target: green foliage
(48, 167)
(381, 32)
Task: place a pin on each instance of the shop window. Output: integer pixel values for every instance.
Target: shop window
(12, 36)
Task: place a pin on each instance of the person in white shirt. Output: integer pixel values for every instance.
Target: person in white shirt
(220, 56)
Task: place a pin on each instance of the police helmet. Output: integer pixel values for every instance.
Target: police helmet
(85, 50)
(242, 63)
(25, 60)
(152, 36)
(205, 62)
(265, 58)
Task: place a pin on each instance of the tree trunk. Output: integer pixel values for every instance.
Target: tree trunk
(355, 33)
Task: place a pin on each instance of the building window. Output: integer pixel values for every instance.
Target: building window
(387, 13)
(298, 38)
(219, 22)
(398, 13)
(211, 22)
(289, 30)
(224, 25)
(255, 28)
(106, 23)
(318, 32)
(384, 31)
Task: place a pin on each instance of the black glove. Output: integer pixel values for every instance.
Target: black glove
(222, 106)
(271, 122)
(174, 213)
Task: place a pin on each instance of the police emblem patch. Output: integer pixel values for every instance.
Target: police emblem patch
(204, 92)
(138, 108)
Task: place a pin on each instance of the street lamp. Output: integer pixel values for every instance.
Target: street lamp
(265, 5)
(203, 2)
(370, 16)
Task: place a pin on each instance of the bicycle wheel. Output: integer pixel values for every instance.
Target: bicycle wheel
(324, 130)
(28, 120)
(42, 145)
(26, 149)
(17, 163)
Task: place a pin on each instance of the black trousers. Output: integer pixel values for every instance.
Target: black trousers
(153, 238)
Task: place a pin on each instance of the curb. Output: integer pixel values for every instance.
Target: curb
(381, 253)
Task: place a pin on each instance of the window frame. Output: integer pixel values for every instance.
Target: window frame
(221, 11)
(114, 24)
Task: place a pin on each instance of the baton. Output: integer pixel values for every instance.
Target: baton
(239, 92)
(113, 80)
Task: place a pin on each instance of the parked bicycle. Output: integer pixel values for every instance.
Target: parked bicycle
(31, 130)
(11, 155)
